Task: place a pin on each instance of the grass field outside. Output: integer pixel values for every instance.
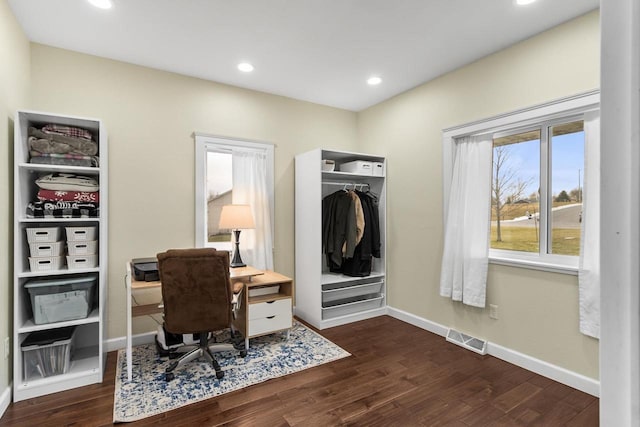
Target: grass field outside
(517, 210)
(224, 237)
(565, 241)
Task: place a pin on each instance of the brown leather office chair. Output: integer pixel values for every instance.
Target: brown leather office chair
(197, 298)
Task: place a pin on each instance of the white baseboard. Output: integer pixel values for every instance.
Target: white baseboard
(540, 367)
(5, 400)
(420, 322)
(118, 343)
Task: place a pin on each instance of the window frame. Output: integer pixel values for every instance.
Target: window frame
(554, 112)
(205, 143)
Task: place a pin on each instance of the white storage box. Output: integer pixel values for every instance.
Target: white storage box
(82, 248)
(378, 169)
(46, 249)
(57, 300)
(46, 263)
(265, 290)
(75, 262)
(44, 234)
(81, 234)
(328, 165)
(360, 167)
(47, 353)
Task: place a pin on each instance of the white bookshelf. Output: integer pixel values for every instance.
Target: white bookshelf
(89, 353)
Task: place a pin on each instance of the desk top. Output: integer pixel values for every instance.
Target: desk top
(237, 274)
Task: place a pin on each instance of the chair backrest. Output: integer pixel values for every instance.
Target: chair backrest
(195, 290)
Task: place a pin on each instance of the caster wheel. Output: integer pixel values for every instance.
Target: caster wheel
(243, 353)
(219, 375)
(169, 376)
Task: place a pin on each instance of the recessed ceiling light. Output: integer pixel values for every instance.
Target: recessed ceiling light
(245, 67)
(374, 81)
(102, 4)
(524, 2)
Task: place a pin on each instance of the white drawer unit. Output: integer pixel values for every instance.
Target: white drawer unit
(267, 306)
(270, 324)
(270, 309)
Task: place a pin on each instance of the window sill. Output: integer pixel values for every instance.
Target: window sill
(535, 265)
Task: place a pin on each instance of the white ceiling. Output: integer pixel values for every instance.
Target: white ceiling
(314, 50)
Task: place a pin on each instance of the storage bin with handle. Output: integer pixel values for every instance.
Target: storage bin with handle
(61, 299)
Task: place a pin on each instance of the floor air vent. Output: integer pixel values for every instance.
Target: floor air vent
(466, 341)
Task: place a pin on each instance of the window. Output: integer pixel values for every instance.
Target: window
(215, 185)
(536, 189)
(537, 182)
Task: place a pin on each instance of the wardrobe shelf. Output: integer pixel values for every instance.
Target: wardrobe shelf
(39, 220)
(331, 278)
(29, 326)
(25, 274)
(36, 167)
(346, 175)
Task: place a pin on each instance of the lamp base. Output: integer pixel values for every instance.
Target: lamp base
(237, 259)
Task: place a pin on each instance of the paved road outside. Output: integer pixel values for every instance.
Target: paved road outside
(567, 216)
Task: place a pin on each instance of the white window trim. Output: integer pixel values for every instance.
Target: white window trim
(206, 143)
(560, 108)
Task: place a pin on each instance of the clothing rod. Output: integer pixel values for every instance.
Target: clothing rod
(342, 184)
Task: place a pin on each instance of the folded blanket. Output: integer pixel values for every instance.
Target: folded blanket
(68, 131)
(60, 144)
(68, 196)
(62, 210)
(67, 182)
(63, 159)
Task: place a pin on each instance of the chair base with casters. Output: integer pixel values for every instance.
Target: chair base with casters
(205, 348)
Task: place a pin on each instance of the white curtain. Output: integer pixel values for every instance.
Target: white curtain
(250, 188)
(589, 266)
(466, 239)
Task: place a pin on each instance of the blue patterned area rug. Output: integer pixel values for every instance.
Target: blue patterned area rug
(269, 356)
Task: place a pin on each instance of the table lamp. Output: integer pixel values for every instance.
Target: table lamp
(236, 217)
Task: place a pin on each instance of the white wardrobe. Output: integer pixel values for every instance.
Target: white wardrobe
(324, 298)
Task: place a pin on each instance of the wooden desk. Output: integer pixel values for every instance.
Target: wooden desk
(258, 315)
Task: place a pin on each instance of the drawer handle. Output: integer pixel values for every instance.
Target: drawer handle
(270, 317)
(270, 302)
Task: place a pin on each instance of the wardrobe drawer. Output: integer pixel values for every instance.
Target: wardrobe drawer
(353, 290)
(352, 305)
(269, 324)
(281, 307)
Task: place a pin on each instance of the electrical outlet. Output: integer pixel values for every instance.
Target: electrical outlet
(7, 347)
(493, 311)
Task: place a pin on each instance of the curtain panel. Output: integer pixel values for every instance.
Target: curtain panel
(250, 188)
(466, 239)
(589, 263)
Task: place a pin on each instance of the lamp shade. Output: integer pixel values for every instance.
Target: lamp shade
(235, 217)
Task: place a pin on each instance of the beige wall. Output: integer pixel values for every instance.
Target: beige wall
(538, 311)
(14, 94)
(150, 118)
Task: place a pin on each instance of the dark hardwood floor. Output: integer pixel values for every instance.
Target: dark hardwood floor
(398, 375)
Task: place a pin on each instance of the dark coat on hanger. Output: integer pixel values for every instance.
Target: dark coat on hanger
(361, 262)
(338, 227)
